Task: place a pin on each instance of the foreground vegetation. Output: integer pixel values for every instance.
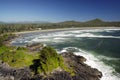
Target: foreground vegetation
(17, 58)
(48, 61)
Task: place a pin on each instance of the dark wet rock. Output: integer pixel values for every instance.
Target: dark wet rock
(35, 46)
(68, 56)
(82, 70)
(8, 73)
(60, 76)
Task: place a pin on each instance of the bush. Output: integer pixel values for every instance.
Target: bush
(48, 60)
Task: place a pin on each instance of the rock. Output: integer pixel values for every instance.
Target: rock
(60, 76)
(71, 56)
(35, 46)
(82, 70)
(9, 73)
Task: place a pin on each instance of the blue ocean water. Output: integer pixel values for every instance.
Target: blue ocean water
(101, 47)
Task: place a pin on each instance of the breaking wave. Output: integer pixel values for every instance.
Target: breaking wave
(94, 36)
(95, 63)
(65, 35)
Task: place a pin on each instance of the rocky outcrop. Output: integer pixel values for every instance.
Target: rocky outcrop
(34, 47)
(9, 73)
(82, 71)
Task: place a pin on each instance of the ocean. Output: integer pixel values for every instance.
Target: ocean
(101, 47)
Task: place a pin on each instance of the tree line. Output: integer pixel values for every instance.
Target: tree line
(17, 27)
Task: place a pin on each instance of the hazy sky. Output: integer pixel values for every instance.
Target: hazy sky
(59, 10)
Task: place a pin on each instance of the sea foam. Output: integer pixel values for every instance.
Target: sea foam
(94, 36)
(94, 62)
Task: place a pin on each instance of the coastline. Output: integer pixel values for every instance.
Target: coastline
(64, 29)
(18, 34)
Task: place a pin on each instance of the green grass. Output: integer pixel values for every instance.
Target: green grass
(44, 61)
(16, 58)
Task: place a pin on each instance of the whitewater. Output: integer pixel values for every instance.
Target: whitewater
(87, 43)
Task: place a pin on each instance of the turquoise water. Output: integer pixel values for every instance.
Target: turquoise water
(101, 47)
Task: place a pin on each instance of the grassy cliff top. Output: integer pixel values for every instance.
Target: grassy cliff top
(16, 57)
(43, 61)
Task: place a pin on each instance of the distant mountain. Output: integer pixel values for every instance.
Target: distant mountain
(70, 23)
(66, 22)
(77, 22)
(97, 20)
(91, 23)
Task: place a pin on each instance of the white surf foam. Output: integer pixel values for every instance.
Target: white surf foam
(94, 30)
(94, 36)
(58, 38)
(64, 36)
(96, 63)
(50, 39)
(40, 40)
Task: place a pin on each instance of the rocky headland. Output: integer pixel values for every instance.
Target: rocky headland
(80, 70)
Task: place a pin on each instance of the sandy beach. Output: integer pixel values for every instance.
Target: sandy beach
(64, 29)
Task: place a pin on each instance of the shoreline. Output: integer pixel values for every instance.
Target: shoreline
(18, 34)
(64, 29)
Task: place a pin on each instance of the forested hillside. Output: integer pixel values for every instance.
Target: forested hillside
(17, 27)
